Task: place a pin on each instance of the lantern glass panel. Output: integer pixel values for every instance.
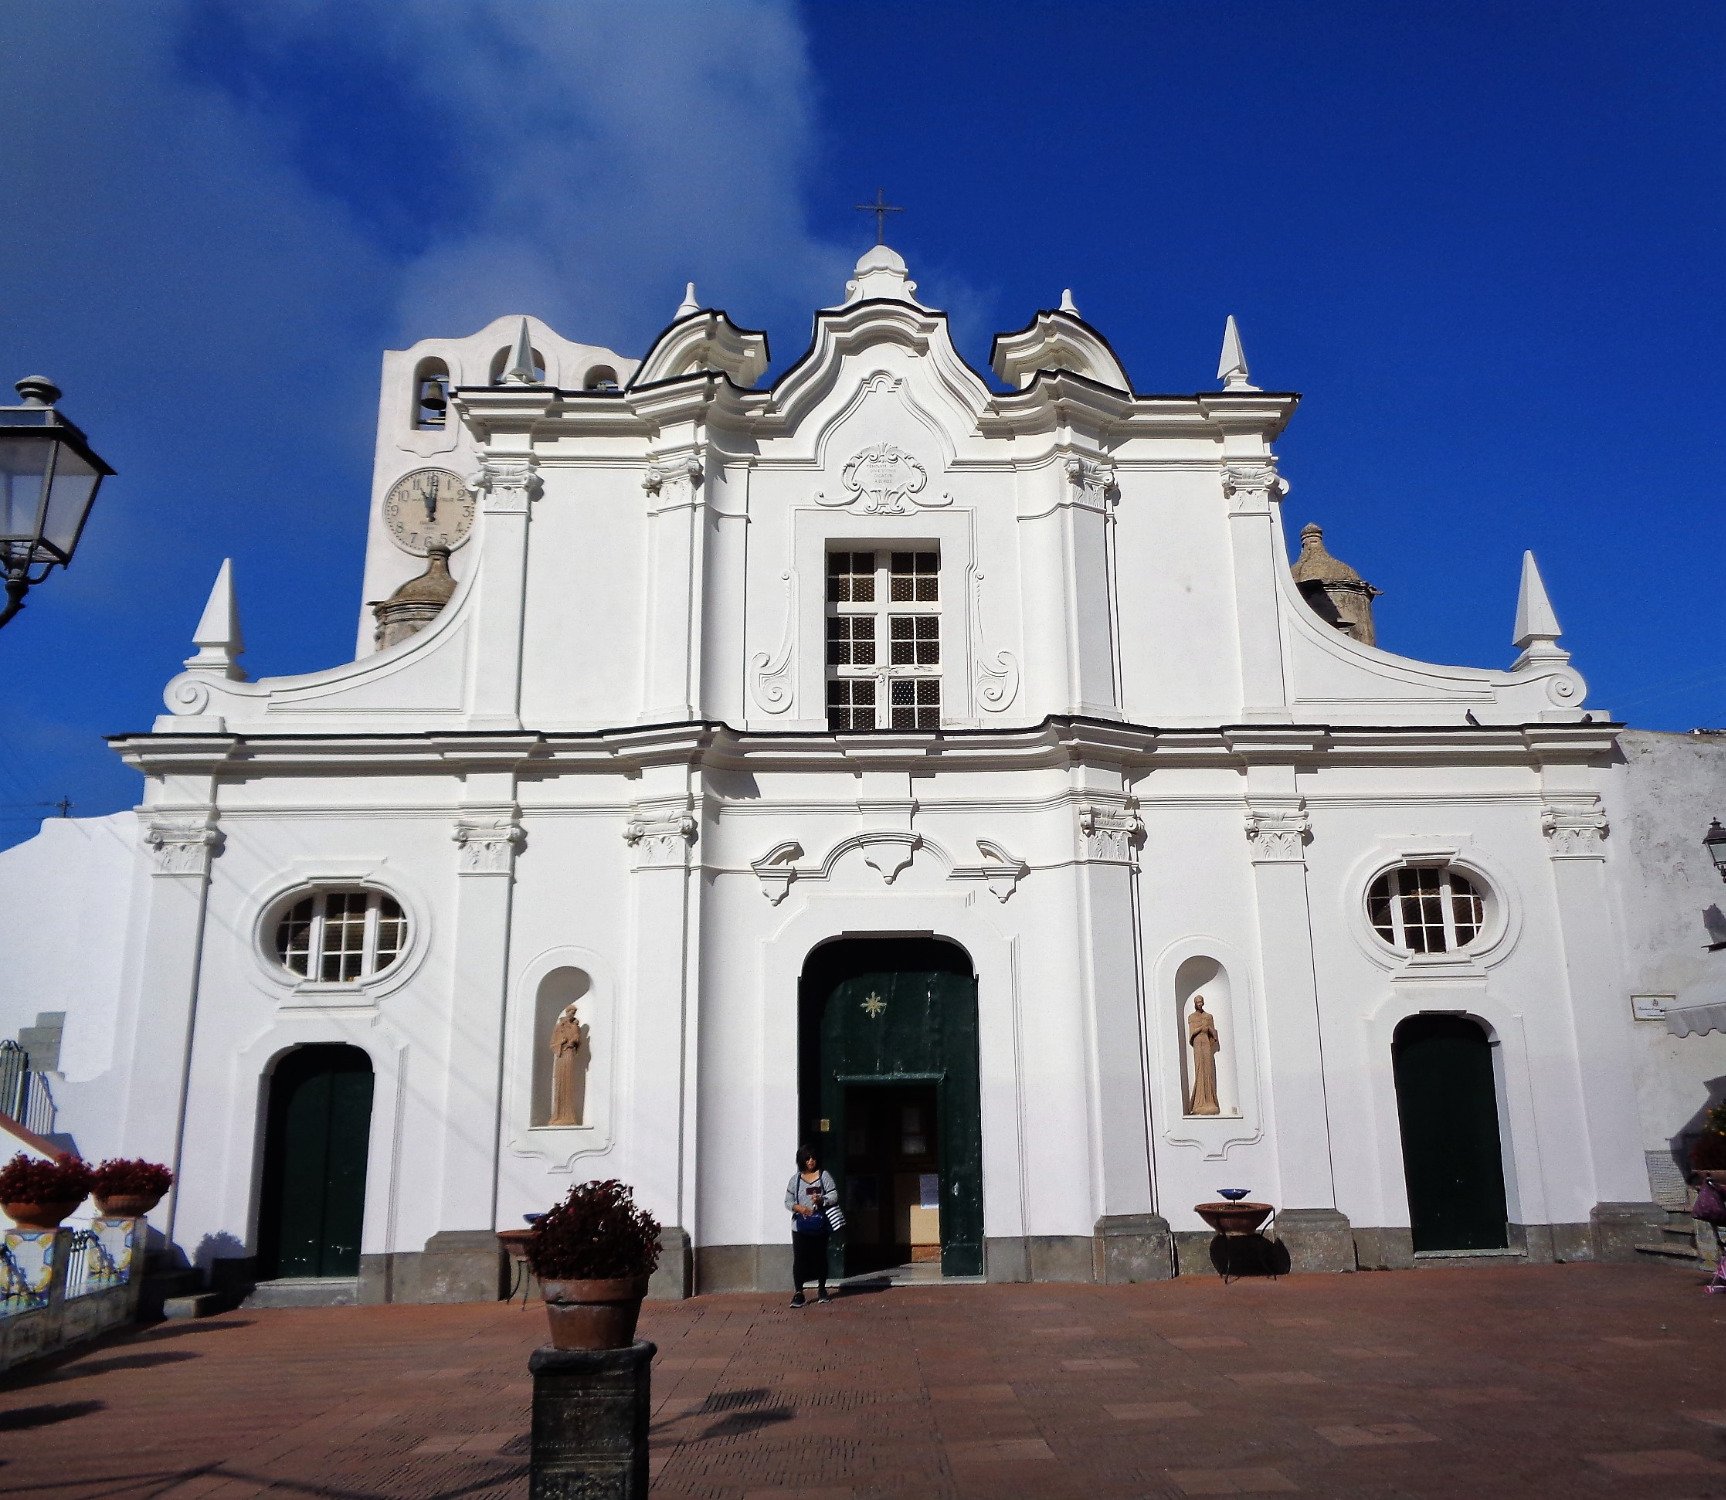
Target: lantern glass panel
(74, 485)
(25, 463)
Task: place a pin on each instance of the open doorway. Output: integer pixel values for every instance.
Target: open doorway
(888, 1092)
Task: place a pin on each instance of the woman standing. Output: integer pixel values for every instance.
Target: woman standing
(809, 1194)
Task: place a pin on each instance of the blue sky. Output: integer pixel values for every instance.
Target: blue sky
(1486, 242)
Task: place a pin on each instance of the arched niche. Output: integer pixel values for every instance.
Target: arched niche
(500, 363)
(600, 378)
(562, 987)
(1203, 976)
(429, 395)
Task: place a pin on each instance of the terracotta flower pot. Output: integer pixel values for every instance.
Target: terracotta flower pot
(1233, 1218)
(127, 1205)
(594, 1314)
(48, 1215)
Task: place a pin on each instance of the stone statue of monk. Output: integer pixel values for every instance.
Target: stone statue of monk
(1202, 1038)
(565, 1052)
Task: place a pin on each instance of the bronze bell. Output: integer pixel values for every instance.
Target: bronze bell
(433, 401)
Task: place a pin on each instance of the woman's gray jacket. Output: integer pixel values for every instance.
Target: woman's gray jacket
(798, 1191)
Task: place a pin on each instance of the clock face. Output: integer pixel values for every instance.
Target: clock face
(429, 508)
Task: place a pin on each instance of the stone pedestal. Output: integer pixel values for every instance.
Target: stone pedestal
(590, 1410)
(1317, 1239)
(1132, 1247)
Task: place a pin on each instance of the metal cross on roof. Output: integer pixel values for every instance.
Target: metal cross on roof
(880, 208)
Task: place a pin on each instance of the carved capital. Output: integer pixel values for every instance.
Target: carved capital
(1092, 480)
(1278, 834)
(488, 842)
(661, 837)
(1253, 486)
(508, 486)
(1111, 830)
(183, 845)
(1575, 828)
(673, 480)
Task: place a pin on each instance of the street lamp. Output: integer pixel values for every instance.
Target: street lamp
(49, 475)
(1714, 841)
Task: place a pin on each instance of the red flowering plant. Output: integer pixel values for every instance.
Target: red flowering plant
(596, 1234)
(29, 1179)
(131, 1177)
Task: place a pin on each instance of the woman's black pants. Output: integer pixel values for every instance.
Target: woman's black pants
(808, 1259)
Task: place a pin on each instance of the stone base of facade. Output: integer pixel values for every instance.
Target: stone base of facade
(1615, 1233)
(675, 1277)
(1615, 1229)
(457, 1265)
(743, 1268)
(1132, 1247)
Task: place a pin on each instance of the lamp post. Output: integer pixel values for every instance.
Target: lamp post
(1714, 841)
(49, 475)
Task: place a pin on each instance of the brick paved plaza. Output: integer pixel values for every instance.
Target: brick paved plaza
(1572, 1380)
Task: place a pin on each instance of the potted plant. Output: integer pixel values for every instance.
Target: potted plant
(129, 1188)
(1708, 1150)
(38, 1194)
(593, 1254)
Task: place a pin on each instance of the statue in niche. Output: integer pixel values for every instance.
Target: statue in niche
(1202, 1038)
(567, 1037)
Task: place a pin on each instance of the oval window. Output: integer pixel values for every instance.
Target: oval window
(1425, 909)
(341, 937)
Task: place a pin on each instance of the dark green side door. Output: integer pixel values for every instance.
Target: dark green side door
(912, 1027)
(1451, 1155)
(312, 1207)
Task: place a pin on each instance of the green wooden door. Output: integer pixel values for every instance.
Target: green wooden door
(312, 1207)
(898, 1026)
(1451, 1153)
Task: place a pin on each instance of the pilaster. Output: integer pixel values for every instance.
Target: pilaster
(662, 832)
(1251, 486)
(1277, 829)
(676, 571)
(488, 836)
(1108, 834)
(508, 483)
(1575, 830)
(179, 843)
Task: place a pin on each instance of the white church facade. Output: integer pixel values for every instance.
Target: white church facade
(882, 757)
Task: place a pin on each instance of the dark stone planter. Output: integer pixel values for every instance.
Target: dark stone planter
(49, 1215)
(593, 1314)
(590, 1411)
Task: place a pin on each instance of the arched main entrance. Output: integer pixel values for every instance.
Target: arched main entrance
(1452, 1157)
(888, 1091)
(312, 1205)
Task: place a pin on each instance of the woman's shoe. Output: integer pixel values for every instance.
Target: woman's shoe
(822, 1296)
(797, 1301)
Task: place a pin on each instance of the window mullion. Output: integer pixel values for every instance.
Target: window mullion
(369, 943)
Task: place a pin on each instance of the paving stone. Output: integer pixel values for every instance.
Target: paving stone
(1436, 1383)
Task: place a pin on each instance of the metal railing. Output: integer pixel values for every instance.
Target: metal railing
(15, 1293)
(89, 1266)
(24, 1095)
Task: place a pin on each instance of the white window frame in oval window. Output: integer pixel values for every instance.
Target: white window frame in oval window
(1498, 926)
(284, 894)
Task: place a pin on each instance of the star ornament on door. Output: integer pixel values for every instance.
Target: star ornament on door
(874, 1005)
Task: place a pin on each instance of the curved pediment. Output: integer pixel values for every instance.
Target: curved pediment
(848, 334)
(705, 340)
(1057, 340)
